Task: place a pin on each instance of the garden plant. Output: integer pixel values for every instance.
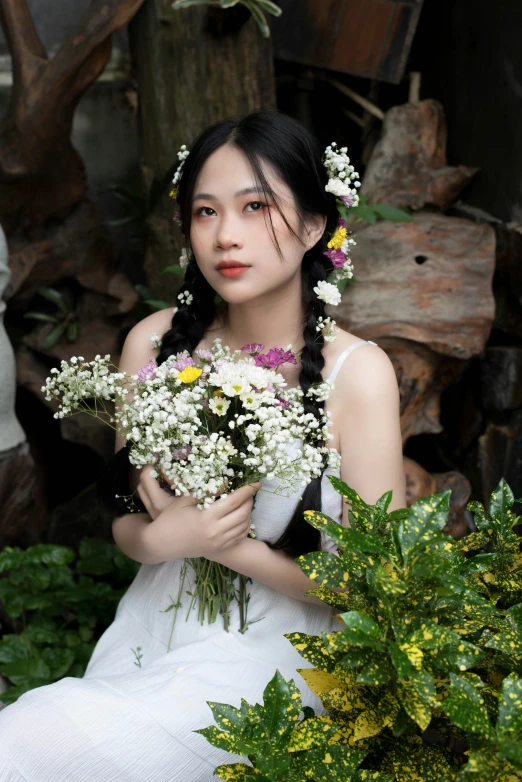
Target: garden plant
(423, 681)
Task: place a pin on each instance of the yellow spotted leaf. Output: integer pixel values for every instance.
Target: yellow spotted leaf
(368, 723)
(319, 681)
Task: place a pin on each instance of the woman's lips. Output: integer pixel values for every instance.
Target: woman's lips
(233, 271)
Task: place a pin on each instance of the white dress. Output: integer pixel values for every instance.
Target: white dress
(124, 723)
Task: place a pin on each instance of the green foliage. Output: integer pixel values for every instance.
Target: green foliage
(431, 636)
(370, 213)
(61, 605)
(258, 9)
(63, 318)
(149, 300)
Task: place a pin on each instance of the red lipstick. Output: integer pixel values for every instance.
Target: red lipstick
(232, 268)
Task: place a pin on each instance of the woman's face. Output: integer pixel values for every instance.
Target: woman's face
(230, 231)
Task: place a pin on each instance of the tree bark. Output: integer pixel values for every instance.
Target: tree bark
(193, 67)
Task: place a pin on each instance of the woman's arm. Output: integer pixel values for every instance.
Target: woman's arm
(367, 416)
(137, 351)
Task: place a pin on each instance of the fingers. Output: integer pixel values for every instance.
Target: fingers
(236, 499)
(156, 493)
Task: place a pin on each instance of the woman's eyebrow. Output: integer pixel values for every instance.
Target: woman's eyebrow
(210, 197)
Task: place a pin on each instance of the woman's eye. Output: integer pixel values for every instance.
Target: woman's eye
(201, 211)
(258, 204)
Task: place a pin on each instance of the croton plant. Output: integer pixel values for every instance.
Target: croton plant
(423, 679)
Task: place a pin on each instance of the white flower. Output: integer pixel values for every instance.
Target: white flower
(156, 340)
(186, 298)
(218, 405)
(329, 328)
(185, 258)
(328, 293)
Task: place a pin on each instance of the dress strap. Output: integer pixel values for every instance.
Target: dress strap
(340, 361)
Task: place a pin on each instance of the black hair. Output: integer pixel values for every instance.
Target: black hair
(271, 137)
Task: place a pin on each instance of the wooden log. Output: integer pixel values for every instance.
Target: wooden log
(22, 498)
(189, 77)
(428, 281)
(408, 167)
(501, 378)
(422, 375)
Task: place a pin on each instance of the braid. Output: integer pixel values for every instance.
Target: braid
(190, 322)
(188, 327)
(299, 537)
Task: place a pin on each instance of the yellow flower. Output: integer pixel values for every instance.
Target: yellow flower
(174, 192)
(218, 392)
(337, 239)
(189, 374)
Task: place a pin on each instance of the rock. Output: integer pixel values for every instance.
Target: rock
(408, 167)
(507, 283)
(96, 337)
(411, 281)
(22, 499)
(500, 456)
(421, 375)
(501, 378)
(420, 483)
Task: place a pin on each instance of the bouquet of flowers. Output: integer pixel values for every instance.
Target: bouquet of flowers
(209, 423)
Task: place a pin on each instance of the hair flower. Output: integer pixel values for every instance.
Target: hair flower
(328, 293)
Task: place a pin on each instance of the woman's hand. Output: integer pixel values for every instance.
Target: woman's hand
(182, 530)
(151, 494)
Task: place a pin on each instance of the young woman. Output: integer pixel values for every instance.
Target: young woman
(252, 197)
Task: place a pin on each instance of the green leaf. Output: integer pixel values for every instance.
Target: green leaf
(19, 670)
(50, 554)
(515, 614)
(313, 649)
(259, 17)
(314, 732)
(324, 568)
(465, 707)
(178, 4)
(345, 537)
(73, 331)
(425, 520)
(221, 739)
(376, 672)
(400, 660)
(270, 8)
(54, 336)
(54, 296)
(364, 212)
(413, 704)
(362, 622)
(510, 704)
(392, 214)
(511, 750)
(175, 268)
(333, 763)
(508, 641)
(343, 640)
(41, 316)
(501, 501)
(59, 660)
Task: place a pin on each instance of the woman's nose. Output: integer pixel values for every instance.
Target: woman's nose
(228, 234)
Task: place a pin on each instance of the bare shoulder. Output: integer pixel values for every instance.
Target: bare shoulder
(156, 323)
(138, 348)
(365, 373)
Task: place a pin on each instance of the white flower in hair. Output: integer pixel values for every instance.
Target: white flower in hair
(185, 258)
(328, 293)
(186, 297)
(342, 174)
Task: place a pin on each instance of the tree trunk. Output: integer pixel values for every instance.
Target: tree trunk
(194, 66)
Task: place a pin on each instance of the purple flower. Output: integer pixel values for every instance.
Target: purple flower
(341, 223)
(177, 216)
(282, 403)
(183, 360)
(253, 347)
(182, 453)
(205, 355)
(336, 257)
(275, 358)
(147, 372)
(347, 200)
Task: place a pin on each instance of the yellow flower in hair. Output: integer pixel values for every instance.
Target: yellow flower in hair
(189, 374)
(174, 192)
(337, 239)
